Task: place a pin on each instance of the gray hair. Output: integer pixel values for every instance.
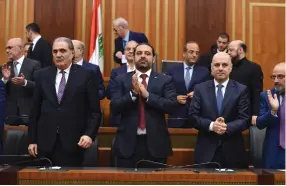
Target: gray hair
(121, 22)
(65, 40)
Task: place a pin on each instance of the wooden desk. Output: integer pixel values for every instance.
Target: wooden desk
(279, 176)
(113, 176)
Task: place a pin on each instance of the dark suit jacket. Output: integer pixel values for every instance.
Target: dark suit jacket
(19, 98)
(96, 70)
(2, 107)
(133, 36)
(235, 111)
(200, 74)
(272, 125)
(78, 113)
(42, 52)
(114, 120)
(162, 99)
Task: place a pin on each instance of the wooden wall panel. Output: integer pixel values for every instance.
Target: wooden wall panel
(14, 16)
(205, 20)
(160, 20)
(261, 25)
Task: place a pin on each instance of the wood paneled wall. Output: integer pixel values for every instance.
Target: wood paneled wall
(14, 16)
(163, 22)
(261, 25)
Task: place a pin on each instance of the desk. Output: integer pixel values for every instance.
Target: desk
(279, 176)
(94, 176)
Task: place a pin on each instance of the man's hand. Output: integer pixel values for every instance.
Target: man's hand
(273, 101)
(190, 95)
(33, 149)
(135, 85)
(143, 92)
(219, 126)
(6, 71)
(85, 142)
(118, 54)
(253, 120)
(182, 99)
(19, 80)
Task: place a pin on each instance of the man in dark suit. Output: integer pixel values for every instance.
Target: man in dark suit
(272, 117)
(124, 69)
(2, 108)
(66, 110)
(79, 50)
(120, 28)
(40, 49)
(220, 111)
(142, 99)
(185, 76)
(18, 75)
(220, 46)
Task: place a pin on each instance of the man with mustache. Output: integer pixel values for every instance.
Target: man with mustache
(185, 76)
(220, 112)
(272, 117)
(66, 111)
(142, 99)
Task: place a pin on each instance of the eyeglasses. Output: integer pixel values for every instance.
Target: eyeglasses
(279, 76)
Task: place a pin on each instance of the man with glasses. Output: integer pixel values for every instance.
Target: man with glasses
(272, 117)
(120, 28)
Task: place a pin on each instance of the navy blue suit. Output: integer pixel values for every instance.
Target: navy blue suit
(236, 113)
(273, 154)
(96, 69)
(133, 36)
(114, 120)
(2, 107)
(200, 74)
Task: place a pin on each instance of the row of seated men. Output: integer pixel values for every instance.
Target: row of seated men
(219, 119)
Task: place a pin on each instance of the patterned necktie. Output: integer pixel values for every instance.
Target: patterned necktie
(61, 86)
(219, 97)
(187, 77)
(124, 43)
(142, 121)
(282, 123)
(16, 73)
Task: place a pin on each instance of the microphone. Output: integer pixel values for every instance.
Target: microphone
(149, 161)
(26, 161)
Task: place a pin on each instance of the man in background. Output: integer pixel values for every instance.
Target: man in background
(272, 117)
(120, 28)
(185, 76)
(40, 49)
(79, 49)
(26, 48)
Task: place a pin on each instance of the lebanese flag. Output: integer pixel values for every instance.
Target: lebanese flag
(96, 42)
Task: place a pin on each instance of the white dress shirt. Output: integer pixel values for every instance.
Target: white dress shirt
(129, 68)
(224, 84)
(59, 77)
(80, 62)
(35, 41)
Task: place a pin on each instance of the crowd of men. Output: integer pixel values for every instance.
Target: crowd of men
(57, 93)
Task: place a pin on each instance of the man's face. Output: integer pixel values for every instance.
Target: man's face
(192, 54)
(28, 35)
(233, 51)
(118, 30)
(221, 67)
(13, 50)
(221, 43)
(26, 49)
(78, 52)
(62, 55)
(129, 51)
(278, 77)
(143, 58)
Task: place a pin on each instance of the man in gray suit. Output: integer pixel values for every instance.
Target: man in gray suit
(18, 76)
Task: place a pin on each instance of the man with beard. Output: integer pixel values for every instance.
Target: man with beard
(220, 111)
(66, 110)
(142, 99)
(272, 117)
(126, 68)
(185, 76)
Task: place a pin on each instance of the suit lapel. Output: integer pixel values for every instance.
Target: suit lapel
(51, 81)
(70, 84)
(229, 91)
(152, 81)
(181, 77)
(212, 96)
(24, 67)
(193, 78)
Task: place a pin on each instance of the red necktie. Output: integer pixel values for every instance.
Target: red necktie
(142, 121)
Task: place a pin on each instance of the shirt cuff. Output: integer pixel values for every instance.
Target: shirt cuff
(133, 96)
(4, 80)
(25, 83)
(272, 113)
(211, 126)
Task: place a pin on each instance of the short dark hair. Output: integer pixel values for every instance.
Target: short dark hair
(224, 35)
(243, 46)
(33, 27)
(147, 44)
(189, 42)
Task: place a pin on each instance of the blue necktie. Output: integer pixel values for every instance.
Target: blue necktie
(124, 43)
(187, 77)
(219, 97)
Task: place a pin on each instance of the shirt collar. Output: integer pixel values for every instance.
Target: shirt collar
(224, 83)
(80, 62)
(36, 40)
(217, 50)
(186, 66)
(20, 60)
(126, 38)
(128, 68)
(67, 70)
(148, 73)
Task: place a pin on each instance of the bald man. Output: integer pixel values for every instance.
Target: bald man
(120, 28)
(272, 117)
(79, 49)
(247, 73)
(220, 112)
(18, 76)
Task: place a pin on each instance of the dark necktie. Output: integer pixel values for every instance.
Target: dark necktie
(219, 97)
(282, 123)
(188, 77)
(62, 86)
(30, 50)
(142, 121)
(16, 73)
